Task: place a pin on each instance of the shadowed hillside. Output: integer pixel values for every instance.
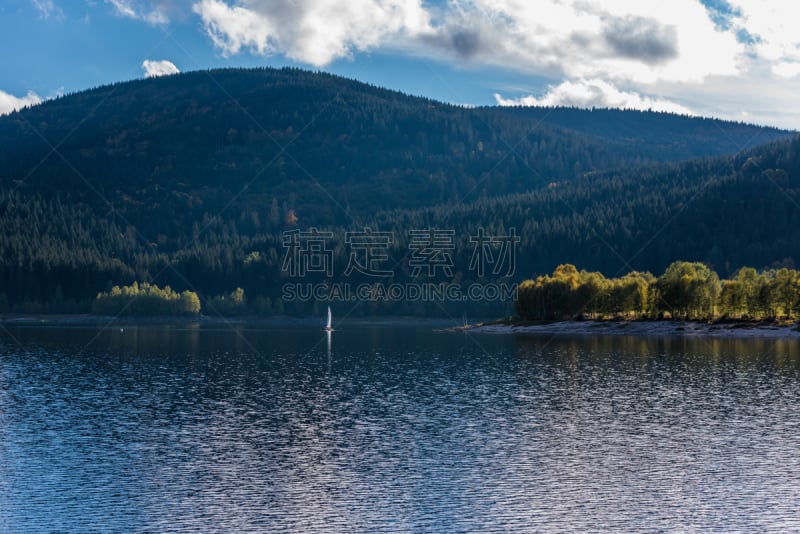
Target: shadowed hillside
(190, 180)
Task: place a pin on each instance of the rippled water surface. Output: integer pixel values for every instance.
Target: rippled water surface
(393, 427)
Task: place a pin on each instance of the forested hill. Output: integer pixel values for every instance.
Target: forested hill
(656, 136)
(728, 212)
(323, 146)
(191, 180)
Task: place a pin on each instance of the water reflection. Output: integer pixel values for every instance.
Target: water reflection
(396, 428)
(328, 335)
(780, 353)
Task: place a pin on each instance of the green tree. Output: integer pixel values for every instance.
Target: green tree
(748, 285)
(731, 300)
(630, 295)
(689, 290)
(785, 292)
(591, 294)
(189, 304)
(145, 300)
(233, 303)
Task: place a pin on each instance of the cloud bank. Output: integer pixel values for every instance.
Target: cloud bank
(706, 54)
(573, 38)
(310, 31)
(594, 93)
(9, 102)
(163, 67)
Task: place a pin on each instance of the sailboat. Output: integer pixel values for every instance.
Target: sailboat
(329, 325)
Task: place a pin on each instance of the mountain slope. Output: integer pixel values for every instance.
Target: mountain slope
(323, 146)
(190, 180)
(728, 212)
(657, 136)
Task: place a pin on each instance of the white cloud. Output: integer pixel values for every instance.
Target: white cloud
(152, 12)
(594, 93)
(638, 48)
(786, 69)
(9, 102)
(772, 24)
(755, 97)
(48, 8)
(625, 40)
(162, 67)
(311, 31)
(771, 31)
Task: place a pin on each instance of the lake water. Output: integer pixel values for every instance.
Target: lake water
(395, 427)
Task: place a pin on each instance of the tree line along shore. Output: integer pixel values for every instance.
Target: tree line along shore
(685, 291)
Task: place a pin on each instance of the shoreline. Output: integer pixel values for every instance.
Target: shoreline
(205, 320)
(89, 320)
(615, 327)
(734, 330)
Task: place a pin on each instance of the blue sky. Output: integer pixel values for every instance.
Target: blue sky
(735, 59)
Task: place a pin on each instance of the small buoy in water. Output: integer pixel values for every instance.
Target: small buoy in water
(121, 329)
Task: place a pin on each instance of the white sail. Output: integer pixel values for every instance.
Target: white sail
(329, 326)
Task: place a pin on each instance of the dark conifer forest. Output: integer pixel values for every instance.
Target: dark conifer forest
(192, 181)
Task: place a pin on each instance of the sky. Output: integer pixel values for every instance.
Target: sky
(731, 59)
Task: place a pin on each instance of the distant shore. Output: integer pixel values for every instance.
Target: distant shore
(643, 328)
(91, 319)
(742, 330)
(282, 320)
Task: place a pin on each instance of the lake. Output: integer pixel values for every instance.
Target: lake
(393, 427)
